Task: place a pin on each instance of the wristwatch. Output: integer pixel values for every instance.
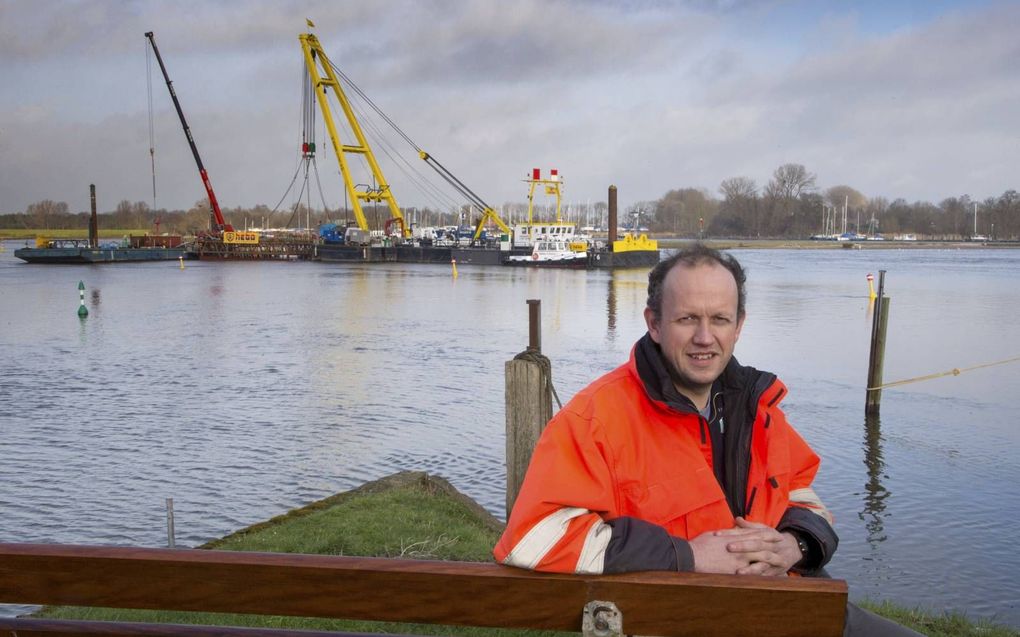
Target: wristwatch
(801, 544)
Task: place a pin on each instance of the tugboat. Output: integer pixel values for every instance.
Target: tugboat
(552, 243)
(552, 254)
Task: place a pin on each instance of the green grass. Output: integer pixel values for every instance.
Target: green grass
(428, 526)
(937, 624)
(412, 518)
(415, 516)
(67, 233)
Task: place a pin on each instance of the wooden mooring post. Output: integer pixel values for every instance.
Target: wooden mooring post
(528, 404)
(879, 323)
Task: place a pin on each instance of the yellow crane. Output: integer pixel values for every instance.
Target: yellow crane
(323, 77)
(488, 213)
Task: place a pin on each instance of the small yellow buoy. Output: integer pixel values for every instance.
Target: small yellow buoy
(871, 287)
(182, 261)
(453, 262)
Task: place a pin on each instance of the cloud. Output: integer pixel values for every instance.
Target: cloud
(650, 96)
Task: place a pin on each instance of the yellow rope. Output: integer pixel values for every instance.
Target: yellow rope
(956, 371)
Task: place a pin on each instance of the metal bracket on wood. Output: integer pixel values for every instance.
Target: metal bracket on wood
(602, 619)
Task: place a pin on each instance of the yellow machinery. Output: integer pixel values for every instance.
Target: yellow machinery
(532, 231)
(487, 211)
(323, 78)
(552, 187)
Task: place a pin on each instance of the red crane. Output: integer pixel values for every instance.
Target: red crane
(220, 225)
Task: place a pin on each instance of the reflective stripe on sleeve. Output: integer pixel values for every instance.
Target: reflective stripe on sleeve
(808, 499)
(593, 555)
(537, 542)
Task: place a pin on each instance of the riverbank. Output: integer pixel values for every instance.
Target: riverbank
(414, 515)
(665, 241)
(668, 243)
(29, 234)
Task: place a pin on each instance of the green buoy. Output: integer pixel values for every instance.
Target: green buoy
(82, 310)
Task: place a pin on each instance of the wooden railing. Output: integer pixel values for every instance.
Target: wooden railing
(434, 592)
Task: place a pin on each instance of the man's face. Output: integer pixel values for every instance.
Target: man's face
(698, 328)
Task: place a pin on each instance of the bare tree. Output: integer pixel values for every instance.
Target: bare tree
(738, 188)
(44, 212)
(790, 181)
(637, 216)
(140, 214)
(738, 213)
(782, 212)
(199, 217)
(683, 211)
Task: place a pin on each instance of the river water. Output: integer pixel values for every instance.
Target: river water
(243, 390)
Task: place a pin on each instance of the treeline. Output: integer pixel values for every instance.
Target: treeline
(791, 206)
(138, 215)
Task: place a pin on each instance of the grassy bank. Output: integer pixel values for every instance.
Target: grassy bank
(67, 233)
(415, 516)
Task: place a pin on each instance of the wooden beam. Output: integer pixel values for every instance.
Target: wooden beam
(460, 593)
(16, 627)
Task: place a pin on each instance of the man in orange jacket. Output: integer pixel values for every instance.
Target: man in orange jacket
(680, 459)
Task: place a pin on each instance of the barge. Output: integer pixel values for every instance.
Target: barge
(78, 252)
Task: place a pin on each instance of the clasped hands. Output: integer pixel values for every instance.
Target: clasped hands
(749, 548)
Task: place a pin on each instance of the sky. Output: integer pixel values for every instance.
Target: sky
(917, 100)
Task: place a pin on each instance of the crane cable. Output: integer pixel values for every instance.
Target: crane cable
(152, 136)
(956, 371)
(415, 176)
(308, 142)
(429, 159)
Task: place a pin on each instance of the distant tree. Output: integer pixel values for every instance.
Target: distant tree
(130, 215)
(600, 209)
(512, 212)
(45, 213)
(789, 181)
(639, 214)
(1004, 216)
(952, 221)
(262, 214)
(855, 203)
(199, 217)
(728, 224)
(805, 216)
(781, 212)
(683, 211)
(876, 209)
(836, 196)
(738, 212)
(738, 188)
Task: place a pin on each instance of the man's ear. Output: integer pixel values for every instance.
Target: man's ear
(740, 326)
(653, 325)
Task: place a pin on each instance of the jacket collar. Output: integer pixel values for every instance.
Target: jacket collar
(742, 384)
(651, 369)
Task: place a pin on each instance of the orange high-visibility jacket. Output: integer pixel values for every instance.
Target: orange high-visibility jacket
(615, 452)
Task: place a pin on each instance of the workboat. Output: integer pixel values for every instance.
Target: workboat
(81, 251)
(160, 247)
(551, 253)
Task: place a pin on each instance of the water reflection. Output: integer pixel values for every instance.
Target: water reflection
(611, 307)
(873, 514)
(243, 390)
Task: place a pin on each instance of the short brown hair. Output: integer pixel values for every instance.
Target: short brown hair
(689, 257)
